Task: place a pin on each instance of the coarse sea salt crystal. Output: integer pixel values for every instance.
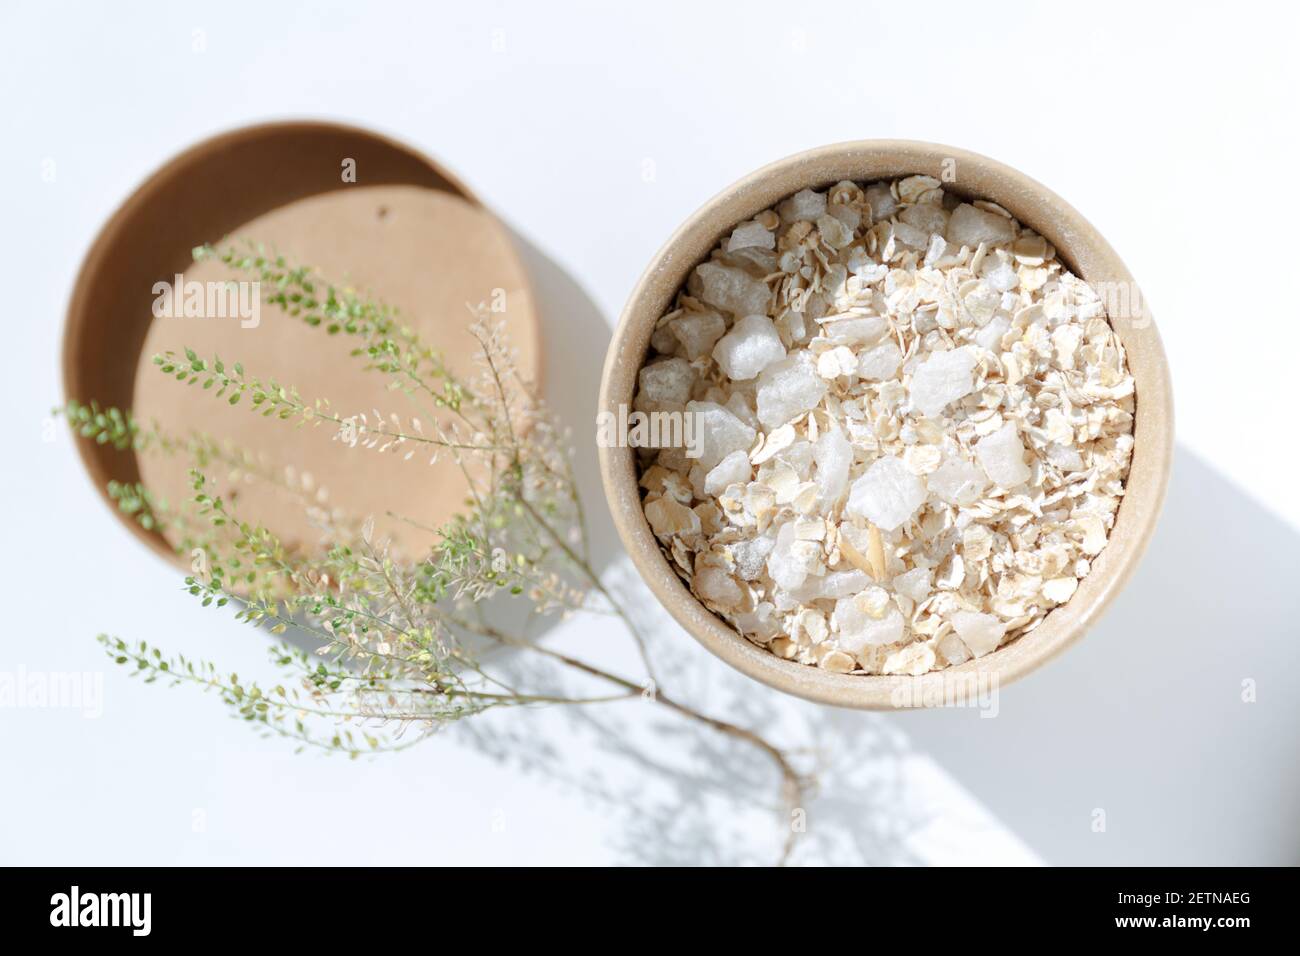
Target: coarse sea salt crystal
(845, 214)
(662, 340)
(881, 200)
(990, 337)
(718, 433)
(969, 226)
(733, 468)
(1065, 457)
(887, 495)
(761, 623)
(792, 560)
(789, 388)
(751, 555)
(953, 650)
(751, 235)
(751, 346)
(667, 382)
(837, 362)
(914, 584)
(1001, 277)
(714, 584)
(725, 287)
(980, 632)
(910, 236)
(880, 363)
(698, 331)
(942, 379)
(739, 406)
(798, 455)
(834, 457)
(803, 206)
(857, 628)
(957, 482)
(927, 217)
(1002, 456)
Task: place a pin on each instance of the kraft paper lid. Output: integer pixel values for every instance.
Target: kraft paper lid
(405, 232)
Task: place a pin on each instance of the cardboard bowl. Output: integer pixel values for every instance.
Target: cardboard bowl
(1079, 246)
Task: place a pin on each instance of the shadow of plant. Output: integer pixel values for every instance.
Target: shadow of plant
(680, 793)
(683, 794)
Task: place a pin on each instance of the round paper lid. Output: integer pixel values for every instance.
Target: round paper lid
(400, 230)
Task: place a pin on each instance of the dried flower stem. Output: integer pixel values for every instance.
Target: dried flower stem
(392, 667)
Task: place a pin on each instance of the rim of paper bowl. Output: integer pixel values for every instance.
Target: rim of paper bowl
(1079, 246)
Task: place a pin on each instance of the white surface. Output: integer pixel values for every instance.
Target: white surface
(594, 132)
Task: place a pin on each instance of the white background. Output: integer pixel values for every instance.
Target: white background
(1172, 127)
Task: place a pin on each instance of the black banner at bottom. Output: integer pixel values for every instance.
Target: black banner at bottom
(393, 905)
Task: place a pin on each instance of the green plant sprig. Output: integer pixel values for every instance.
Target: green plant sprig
(394, 660)
(390, 346)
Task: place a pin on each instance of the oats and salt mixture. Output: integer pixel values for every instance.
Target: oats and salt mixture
(914, 428)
